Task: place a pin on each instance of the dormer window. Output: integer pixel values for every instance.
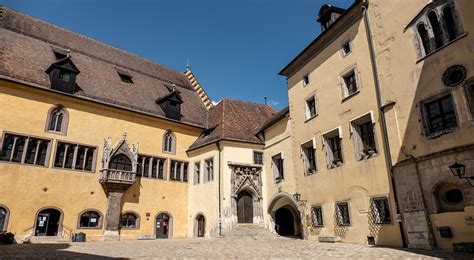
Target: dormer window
(125, 76)
(171, 105)
(328, 15)
(62, 75)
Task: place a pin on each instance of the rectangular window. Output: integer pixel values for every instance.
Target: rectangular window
(380, 210)
(277, 165)
(74, 156)
(440, 115)
(209, 169)
(24, 149)
(342, 214)
(333, 149)
(175, 170)
(349, 83)
(150, 166)
(305, 80)
(470, 97)
(185, 172)
(310, 107)
(317, 216)
(258, 158)
(346, 48)
(309, 157)
(364, 137)
(197, 172)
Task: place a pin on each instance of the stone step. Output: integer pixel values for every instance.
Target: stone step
(45, 239)
(250, 231)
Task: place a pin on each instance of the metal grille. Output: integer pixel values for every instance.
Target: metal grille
(342, 214)
(380, 210)
(317, 216)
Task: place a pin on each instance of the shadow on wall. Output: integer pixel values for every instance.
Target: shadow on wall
(44, 251)
(339, 230)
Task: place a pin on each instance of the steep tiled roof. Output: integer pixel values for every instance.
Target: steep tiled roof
(234, 120)
(277, 117)
(26, 48)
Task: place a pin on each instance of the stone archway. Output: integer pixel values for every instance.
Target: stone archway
(286, 216)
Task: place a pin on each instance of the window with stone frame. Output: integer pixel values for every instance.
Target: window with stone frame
(317, 216)
(350, 83)
(363, 135)
(439, 115)
(3, 219)
(74, 156)
(129, 221)
(277, 167)
(197, 172)
(342, 214)
(57, 120)
(310, 108)
(470, 95)
(308, 152)
(185, 172)
(25, 149)
(258, 158)
(151, 167)
(437, 25)
(169, 142)
(380, 210)
(89, 219)
(346, 48)
(209, 169)
(176, 168)
(333, 148)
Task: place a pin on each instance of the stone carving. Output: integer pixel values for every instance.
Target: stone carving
(121, 147)
(246, 177)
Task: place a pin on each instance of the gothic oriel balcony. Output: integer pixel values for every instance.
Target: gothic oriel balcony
(116, 180)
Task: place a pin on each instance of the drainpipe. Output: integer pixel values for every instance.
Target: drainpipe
(219, 217)
(383, 123)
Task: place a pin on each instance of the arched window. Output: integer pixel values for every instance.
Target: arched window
(3, 219)
(120, 162)
(450, 23)
(57, 120)
(90, 219)
(169, 142)
(424, 37)
(129, 220)
(438, 33)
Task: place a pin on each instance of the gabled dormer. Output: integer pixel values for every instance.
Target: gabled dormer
(171, 104)
(328, 15)
(62, 75)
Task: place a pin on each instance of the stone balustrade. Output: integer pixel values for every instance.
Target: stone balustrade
(117, 176)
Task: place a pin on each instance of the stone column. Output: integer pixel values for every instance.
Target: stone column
(113, 215)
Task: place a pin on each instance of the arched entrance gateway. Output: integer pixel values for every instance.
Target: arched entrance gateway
(48, 222)
(286, 216)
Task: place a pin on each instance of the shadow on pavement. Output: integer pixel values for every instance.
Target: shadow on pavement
(44, 251)
(438, 253)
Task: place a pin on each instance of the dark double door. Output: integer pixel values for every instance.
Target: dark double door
(162, 226)
(244, 207)
(47, 222)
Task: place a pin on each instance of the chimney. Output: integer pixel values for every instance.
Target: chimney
(328, 15)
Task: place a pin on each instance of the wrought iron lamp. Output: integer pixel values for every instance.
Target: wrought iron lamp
(297, 197)
(459, 170)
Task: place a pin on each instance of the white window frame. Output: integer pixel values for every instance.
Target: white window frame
(344, 90)
(327, 148)
(306, 167)
(357, 140)
(307, 109)
(277, 175)
(197, 173)
(306, 80)
(209, 174)
(343, 52)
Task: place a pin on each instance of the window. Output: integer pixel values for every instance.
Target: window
(440, 115)
(310, 107)
(126, 78)
(175, 170)
(129, 221)
(277, 166)
(64, 76)
(305, 80)
(57, 120)
(380, 210)
(209, 169)
(349, 82)
(258, 158)
(364, 137)
(197, 172)
(342, 214)
(309, 157)
(169, 142)
(83, 156)
(346, 48)
(185, 172)
(317, 216)
(25, 149)
(436, 27)
(157, 169)
(120, 162)
(333, 148)
(89, 219)
(470, 96)
(3, 219)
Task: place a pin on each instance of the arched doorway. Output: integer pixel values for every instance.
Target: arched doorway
(244, 207)
(3, 218)
(48, 222)
(201, 226)
(284, 222)
(163, 225)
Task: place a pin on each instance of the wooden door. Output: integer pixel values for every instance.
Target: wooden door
(201, 226)
(244, 208)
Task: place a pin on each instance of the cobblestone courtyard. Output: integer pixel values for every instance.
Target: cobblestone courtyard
(214, 248)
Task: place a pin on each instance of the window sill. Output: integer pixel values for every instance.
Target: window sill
(343, 225)
(310, 118)
(150, 178)
(134, 228)
(368, 156)
(24, 164)
(279, 180)
(310, 172)
(90, 228)
(440, 133)
(334, 166)
(442, 47)
(54, 132)
(73, 170)
(351, 95)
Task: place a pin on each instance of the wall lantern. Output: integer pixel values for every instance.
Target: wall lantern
(297, 197)
(459, 170)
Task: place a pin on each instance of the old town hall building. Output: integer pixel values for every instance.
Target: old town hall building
(375, 147)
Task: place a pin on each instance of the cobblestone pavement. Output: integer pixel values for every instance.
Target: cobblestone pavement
(214, 248)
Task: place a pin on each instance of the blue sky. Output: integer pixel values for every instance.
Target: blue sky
(235, 48)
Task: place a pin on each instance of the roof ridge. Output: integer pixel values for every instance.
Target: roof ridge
(245, 101)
